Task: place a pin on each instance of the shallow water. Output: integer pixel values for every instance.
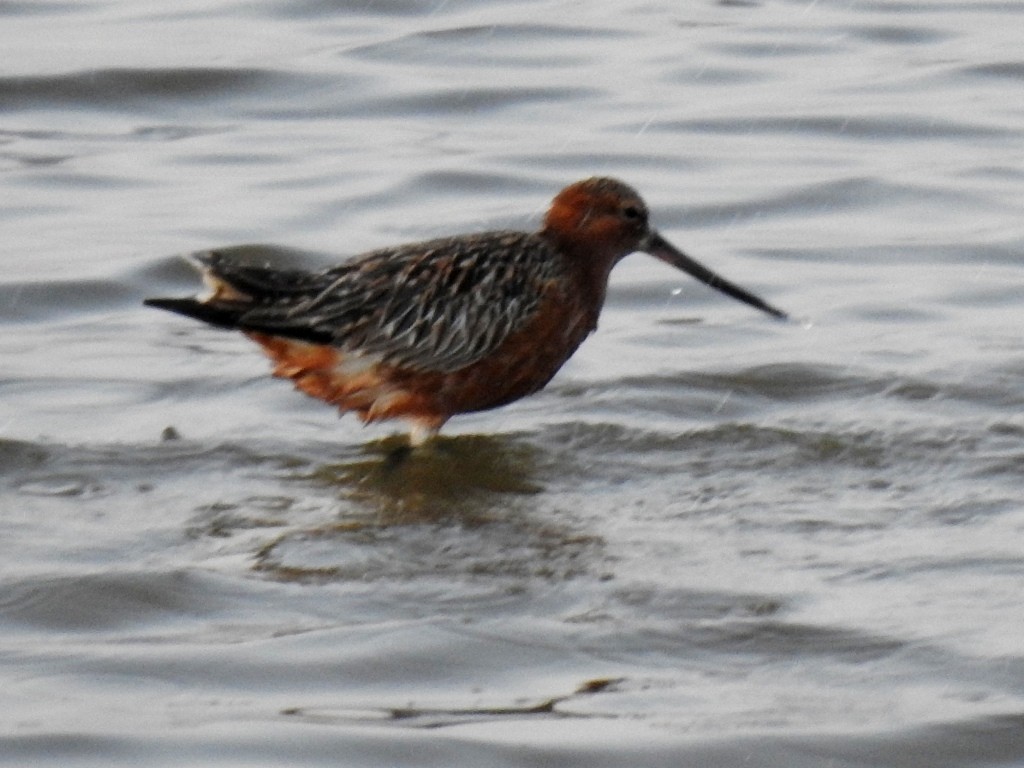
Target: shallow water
(714, 539)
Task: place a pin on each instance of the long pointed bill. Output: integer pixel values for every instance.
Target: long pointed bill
(662, 249)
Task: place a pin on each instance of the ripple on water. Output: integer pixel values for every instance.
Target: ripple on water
(141, 89)
(103, 601)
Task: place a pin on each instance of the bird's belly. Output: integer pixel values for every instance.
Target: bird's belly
(376, 390)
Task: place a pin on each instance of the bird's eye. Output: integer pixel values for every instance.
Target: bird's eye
(633, 213)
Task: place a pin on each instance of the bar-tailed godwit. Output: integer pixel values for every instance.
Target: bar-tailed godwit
(429, 330)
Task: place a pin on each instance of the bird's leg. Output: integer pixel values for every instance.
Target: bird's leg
(421, 431)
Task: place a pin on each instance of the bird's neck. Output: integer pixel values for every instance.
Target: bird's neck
(587, 267)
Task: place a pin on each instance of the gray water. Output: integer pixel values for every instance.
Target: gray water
(713, 540)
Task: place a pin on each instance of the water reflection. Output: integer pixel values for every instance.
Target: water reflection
(462, 479)
(468, 506)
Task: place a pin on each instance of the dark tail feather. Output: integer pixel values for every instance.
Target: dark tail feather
(220, 316)
(230, 317)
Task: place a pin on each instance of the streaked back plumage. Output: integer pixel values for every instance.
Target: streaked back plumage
(434, 306)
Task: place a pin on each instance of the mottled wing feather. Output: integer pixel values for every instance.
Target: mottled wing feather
(439, 305)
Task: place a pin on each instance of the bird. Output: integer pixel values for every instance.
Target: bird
(426, 331)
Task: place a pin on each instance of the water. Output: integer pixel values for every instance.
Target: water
(713, 540)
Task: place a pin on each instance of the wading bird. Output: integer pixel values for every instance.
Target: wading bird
(428, 330)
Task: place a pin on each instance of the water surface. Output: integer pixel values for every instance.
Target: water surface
(713, 540)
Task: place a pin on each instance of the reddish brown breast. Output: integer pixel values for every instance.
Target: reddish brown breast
(375, 390)
(523, 364)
